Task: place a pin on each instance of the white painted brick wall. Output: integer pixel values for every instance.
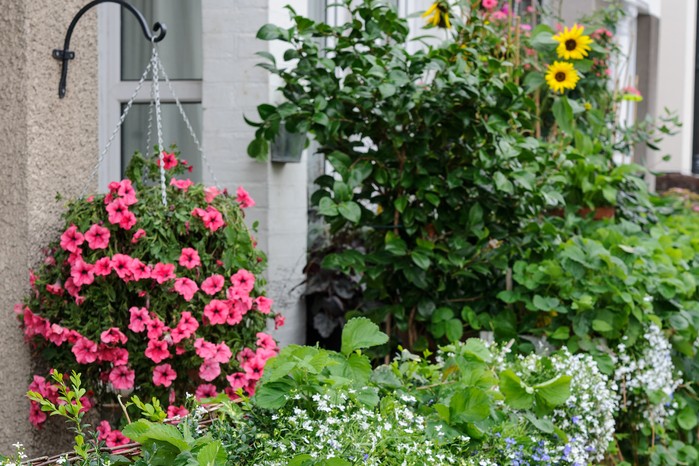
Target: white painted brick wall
(232, 87)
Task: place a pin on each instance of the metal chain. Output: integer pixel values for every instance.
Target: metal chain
(155, 62)
(204, 160)
(117, 129)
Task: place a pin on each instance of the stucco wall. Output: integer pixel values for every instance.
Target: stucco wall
(49, 146)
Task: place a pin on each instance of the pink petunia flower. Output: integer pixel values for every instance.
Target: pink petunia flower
(209, 370)
(139, 319)
(103, 429)
(216, 311)
(279, 321)
(210, 194)
(211, 217)
(122, 378)
(127, 193)
(113, 336)
(254, 368)
(213, 284)
(186, 288)
(243, 280)
(204, 349)
(102, 267)
(237, 380)
(85, 351)
(56, 289)
(181, 184)
(175, 413)
(187, 325)
(245, 355)
(57, 334)
(157, 351)
(121, 264)
(116, 210)
(163, 272)
(71, 239)
(205, 390)
(222, 353)
(82, 273)
(189, 258)
(266, 341)
(71, 287)
(97, 237)
(244, 198)
(489, 4)
(140, 233)
(36, 416)
(169, 160)
(263, 304)
(115, 438)
(235, 316)
(155, 328)
(128, 220)
(139, 270)
(163, 375)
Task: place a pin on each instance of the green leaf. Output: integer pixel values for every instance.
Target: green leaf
(358, 368)
(421, 259)
(143, 431)
(554, 392)
(563, 113)
(368, 396)
(327, 207)
(516, 393)
(272, 395)
(360, 333)
(601, 326)
(455, 330)
(502, 183)
(186, 458)
(395, 245)
(271, 32)
(687, 418)
(212, 454)
(543, 425)
(470, 405)
(258, 149)
(350, 210)
(387, 90)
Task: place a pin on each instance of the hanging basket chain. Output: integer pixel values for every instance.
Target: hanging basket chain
(129, 104)
(192, 133)
(155, 67)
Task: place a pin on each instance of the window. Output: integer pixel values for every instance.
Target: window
(124, 53)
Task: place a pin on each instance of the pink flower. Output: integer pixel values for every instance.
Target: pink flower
(122, 378)
(489, 4)
(56, 334)
(245, 355)
(211, 217)
(139, 319)
(186, 288)
(140, 233)
(216, 311)
(71, 239)
(204, 349)
(116, 210)
(187, 325)
(102, 267)
(279, 321)
(237, 380)
(103, 430)
(87, 404)
(128, 220)
(266, 341)
(189, 258)
(499, 16)
(205, 390)
(163, 272)
(210, 194)
(243, 281)
(85, 351)
(113, 336)
(222, 353)
(71, 287)
(176, 412)
(36, 416)
(115, 438)
(244, 198)
(157, 351)
(163, 375)
(117, 356)
(169, 160)
(155, 327)
(264, 305)
(213, 284)
(127, 193)
(209, 370)
(55, 289)
(82, 273)
(139, 270)
(181, 184)
(121, 264)
(254, 368)
(97, 237)
(44, 388)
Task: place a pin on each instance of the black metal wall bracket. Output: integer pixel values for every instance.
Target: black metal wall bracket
(65, 55)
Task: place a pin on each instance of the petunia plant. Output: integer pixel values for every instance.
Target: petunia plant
(164, 299)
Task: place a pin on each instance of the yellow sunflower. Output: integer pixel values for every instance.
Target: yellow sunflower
(439, 12)
(572, 44)
(561, 75)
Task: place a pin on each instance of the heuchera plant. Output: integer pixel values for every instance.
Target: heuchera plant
(165, 299)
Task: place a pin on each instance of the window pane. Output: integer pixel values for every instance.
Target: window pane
(180, 51)
(134, 133)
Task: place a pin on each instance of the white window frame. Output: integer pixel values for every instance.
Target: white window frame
(113, 92)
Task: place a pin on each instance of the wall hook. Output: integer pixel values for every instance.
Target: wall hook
(65, 54)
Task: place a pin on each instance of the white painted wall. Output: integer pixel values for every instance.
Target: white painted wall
(676, 81)
(232, 87)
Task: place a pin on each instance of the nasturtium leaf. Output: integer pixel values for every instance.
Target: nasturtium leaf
(516, 393)
(469, 405)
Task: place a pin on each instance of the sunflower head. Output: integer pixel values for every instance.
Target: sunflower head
(561, 76)
(438, 14)
(572, 44)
